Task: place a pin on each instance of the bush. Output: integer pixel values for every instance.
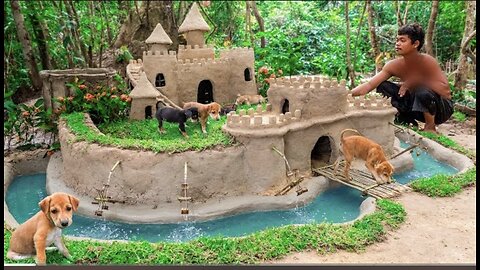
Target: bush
(104, 104)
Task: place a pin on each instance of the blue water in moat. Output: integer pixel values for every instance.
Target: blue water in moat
(338, 204)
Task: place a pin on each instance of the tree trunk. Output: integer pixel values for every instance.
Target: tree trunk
(92, 39)
(261, 24)
(75, 33)
(431, 28)
(351, 71)
(360, 24)
(398, 13)
(24, 39)
(373, 35)
(41, 35)
(462, 69)
(66, 33)
(136, 30)
(248, 23)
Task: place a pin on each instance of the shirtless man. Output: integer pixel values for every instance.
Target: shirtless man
(424, 93)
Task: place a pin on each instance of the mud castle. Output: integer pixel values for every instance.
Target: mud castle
(192, 74)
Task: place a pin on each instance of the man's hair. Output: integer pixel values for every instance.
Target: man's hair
(415, 32)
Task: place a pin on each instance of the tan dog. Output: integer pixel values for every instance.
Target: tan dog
(204, 110)
(357, 146)
(43, 229)
(249, 99)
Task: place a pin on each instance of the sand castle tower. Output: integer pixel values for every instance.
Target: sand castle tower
(193, 27)
(144, 99)
(158, 40)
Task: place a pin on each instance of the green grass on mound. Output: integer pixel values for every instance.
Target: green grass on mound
(143, 134)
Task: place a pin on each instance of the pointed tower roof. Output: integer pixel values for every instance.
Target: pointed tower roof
(144, 89)
(193, 21)
(159, 36)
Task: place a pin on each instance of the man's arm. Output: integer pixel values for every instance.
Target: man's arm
(375, 81)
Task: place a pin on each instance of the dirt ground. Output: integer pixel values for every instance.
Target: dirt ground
(437, 230)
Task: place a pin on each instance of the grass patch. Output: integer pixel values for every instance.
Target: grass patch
(143, 134)
(442, 185)
(459, 116)
(447, 142)
(255, 248)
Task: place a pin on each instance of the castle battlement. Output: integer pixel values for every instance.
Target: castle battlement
(189, 47)
(234, 52)
(313, 82)
(259, 119)
(202, 61)
(372, 102)
(168, 54)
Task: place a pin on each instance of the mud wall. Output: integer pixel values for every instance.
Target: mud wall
(145, 177)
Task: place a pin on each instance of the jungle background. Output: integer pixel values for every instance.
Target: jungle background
(348, 40)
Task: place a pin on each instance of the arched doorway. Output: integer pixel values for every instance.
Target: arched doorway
(148, 112)
(321, 152)
(247, 74)
(205, 92)
(285, 106)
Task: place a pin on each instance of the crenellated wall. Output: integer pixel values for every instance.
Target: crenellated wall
(162, 62)
(191, 72)
(312, 95)
(242, 68)
(198, 52)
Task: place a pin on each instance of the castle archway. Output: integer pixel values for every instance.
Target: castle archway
(205, 92)
(321, 152)
(148, 112)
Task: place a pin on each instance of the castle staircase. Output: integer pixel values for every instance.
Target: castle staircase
(362, 181)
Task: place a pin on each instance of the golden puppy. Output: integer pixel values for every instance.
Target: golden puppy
(43, 229)
(249, 99)
(357, 146)
(204, 110)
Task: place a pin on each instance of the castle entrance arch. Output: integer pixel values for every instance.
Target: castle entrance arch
(205, 92)
(321, 152)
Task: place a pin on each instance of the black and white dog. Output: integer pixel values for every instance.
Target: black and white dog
(174, 115)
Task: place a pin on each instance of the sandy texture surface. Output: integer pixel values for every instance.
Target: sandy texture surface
(437, 230)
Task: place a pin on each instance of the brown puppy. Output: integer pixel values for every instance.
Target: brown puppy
(249, 99)
(372, 153)
(43, 229)
(204, 110)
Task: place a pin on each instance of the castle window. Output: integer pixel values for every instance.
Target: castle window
(285, 106)
(247, 74)
(159, 80)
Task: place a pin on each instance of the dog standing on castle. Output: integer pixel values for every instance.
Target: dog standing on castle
(357, 146)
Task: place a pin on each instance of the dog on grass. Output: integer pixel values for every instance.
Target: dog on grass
(357, 146)
(174, 115)
(227, 109)
(43, 229)
(249, 99)
(212, 109)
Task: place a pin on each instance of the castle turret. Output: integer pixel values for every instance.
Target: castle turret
(193, 27)
(158, 40)
(144, 99)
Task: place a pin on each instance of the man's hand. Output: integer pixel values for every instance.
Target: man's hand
(403, 90)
